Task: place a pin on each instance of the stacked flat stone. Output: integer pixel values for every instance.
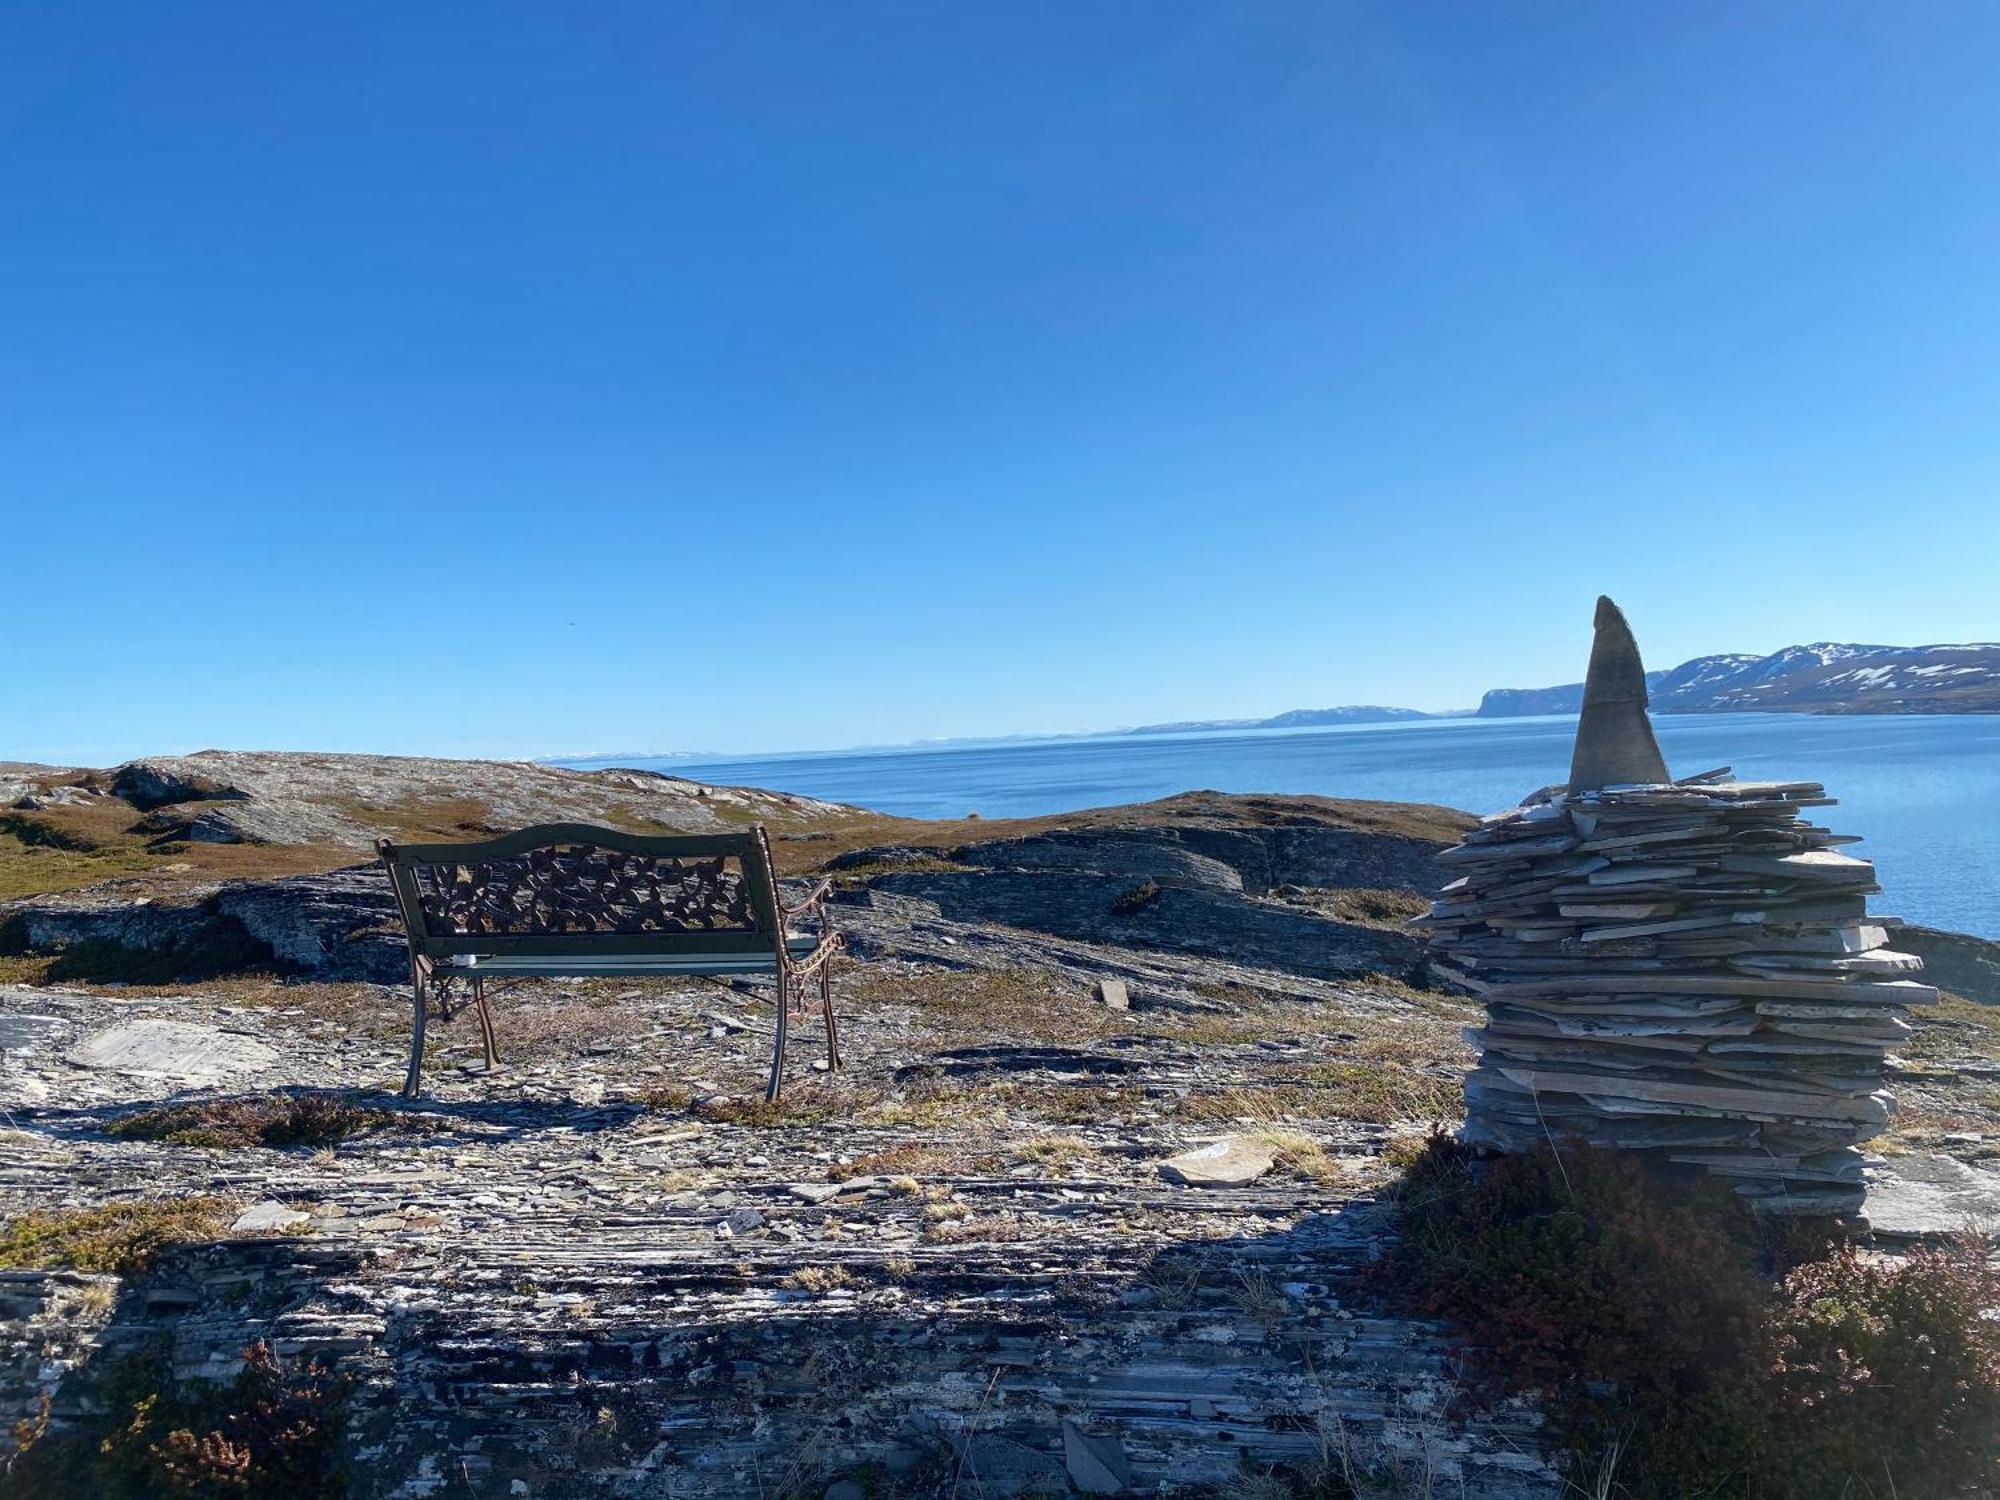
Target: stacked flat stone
(1683, 968)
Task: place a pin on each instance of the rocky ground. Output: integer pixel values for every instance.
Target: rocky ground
(969, 1264)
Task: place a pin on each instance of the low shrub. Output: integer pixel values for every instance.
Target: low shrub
(315, 1119)
(1137, 899)
(1888, 1374)
(273, 1433)
(1649, 1314)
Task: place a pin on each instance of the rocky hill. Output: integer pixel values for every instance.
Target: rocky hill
(1827, 677)
(223, 796)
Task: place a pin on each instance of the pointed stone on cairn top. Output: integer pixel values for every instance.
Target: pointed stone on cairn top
(1614, 738)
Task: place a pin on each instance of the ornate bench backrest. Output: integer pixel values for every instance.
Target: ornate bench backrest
(568, 887)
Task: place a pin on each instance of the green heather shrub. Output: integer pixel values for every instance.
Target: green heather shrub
(1644, 1312)
(1137, 899)
(312, 1119)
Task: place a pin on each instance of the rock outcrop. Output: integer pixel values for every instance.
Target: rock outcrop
(227, 796)
(1955, 961)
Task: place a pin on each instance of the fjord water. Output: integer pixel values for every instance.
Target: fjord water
(1923, 791)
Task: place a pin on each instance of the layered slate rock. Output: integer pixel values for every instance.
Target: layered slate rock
(762, 1308)
(173, 1050)
(1684, 968)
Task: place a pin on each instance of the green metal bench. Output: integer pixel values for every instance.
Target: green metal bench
(569, 901)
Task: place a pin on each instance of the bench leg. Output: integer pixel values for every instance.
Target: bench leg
(778, 1045)
(485, 1022)
(414, 1079)
(826, 1009)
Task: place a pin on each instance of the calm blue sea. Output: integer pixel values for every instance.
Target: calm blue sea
(1923, 791)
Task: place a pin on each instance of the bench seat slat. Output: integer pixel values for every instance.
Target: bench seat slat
(587, 965)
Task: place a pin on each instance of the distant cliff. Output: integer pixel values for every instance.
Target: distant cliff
(1827, 677)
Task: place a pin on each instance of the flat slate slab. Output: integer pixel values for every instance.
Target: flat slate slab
(171, 1049)
(1233, 1161)
(1912, 1197)
(269, 1215)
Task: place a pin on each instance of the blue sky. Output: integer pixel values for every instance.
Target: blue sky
(525, 379)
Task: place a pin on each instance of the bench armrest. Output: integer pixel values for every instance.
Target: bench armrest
(814, 900)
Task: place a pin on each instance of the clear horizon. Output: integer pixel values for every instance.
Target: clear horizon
(806, 379)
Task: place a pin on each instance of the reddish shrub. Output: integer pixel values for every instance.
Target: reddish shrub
(271, 1434)
(1889, 1372)
(1640, 1308)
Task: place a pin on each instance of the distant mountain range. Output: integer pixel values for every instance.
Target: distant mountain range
(1826, 678)
(1299, 718)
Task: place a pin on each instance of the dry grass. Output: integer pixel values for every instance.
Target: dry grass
(1060, 1152)
(418, 820)
(1257, 1297)
(531, 1026)
(1012, 1005)
(1299, 1155)
(66, 848)
(798, 1108)
(1933, 1098)
(1379, 1093)
(1955, 1030)
(909, 1159)
(819, 1280)
(1176, 1280)
(1367, 907)
(845, 833)
(970, 1006)
(967, 1228)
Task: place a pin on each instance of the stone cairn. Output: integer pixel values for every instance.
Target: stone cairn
(1684, 968)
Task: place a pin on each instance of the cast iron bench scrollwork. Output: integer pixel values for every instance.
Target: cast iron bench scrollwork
(568, 901)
